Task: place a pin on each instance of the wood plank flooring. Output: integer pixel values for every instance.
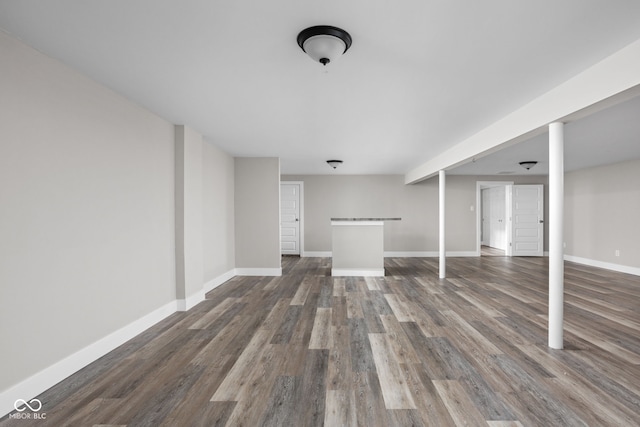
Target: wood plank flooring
(489, 251)
(408, 349)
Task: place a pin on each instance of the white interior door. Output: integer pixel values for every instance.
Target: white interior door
(486, 216)
(527, 220)
(290, 219)
(498, 234)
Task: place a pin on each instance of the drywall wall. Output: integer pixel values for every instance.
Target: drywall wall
(337, 196)
(218, 212)
(601, 213)
(87, 218)
(327, 196)
(257, 213)
(189, 213)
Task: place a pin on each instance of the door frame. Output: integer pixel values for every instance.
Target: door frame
(481, 185)
(301, 225)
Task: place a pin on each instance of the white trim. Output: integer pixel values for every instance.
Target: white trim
(191, 301)
(373, 272)
(217, 281)
(442, 219)
(301, 229)
(606, 265)
(258, 271)
(198, 297)
(317, 254)
(50, 376)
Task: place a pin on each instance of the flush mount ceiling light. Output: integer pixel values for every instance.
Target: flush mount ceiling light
(334, 163)
(324, 43)
(528, 164)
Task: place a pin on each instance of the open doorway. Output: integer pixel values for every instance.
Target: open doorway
(510, 219)
(492, 239)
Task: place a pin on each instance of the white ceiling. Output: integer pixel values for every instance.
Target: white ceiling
(421, 75)
(608, 136)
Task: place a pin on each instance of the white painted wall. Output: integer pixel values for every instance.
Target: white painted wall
(87, 212)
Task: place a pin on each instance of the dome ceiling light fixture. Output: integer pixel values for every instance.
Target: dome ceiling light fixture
(528, 164)
(334, 163)
(324, 43)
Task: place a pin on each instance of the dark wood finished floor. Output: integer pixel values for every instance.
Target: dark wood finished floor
(408, 349)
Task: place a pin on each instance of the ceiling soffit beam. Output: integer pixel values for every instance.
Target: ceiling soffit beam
(612, 80)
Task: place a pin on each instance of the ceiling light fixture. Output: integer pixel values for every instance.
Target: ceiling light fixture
(528, 164)
(324, 43)
(334, 163)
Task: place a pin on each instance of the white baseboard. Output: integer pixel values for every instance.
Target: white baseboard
(258, 271)
(50, 376)
(191, 301)
(316, 254)
(606, 265)
(370, 272)
(214, 283)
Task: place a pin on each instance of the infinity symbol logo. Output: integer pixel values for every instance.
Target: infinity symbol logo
(37, 405)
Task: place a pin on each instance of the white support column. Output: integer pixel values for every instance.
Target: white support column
(443, 257)
(556, 234)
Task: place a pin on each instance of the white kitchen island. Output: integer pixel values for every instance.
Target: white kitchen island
(358, 246)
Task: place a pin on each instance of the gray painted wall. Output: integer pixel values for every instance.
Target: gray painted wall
(87, 217)
(88, 224)
(257, 212)
(327, 196)
(188, 206)
(218, 206)
(601, 213)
